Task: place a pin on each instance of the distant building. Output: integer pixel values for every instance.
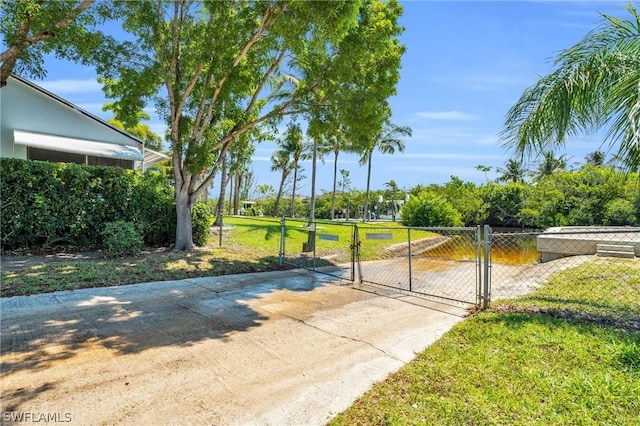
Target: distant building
(36, 124)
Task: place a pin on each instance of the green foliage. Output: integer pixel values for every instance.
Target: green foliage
(430, 210)
(121, 238)
(202, 221)
(594, 85)
(504, 203)
(48, 204)
(619, 212)
(66, 29)
(591, 195)
(271, 59)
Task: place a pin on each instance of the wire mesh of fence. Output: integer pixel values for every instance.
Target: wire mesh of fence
(320, 245)
(438, 263)
(591, 272)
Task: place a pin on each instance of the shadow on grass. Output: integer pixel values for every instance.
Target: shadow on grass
(606, 315)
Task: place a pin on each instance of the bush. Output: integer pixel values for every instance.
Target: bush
(47, 204)
(201, 225)
(429, 210)
(121, 238)
(619, 212)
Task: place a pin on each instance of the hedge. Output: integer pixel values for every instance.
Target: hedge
(47, 204)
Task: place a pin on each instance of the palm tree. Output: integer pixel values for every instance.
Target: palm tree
(298, 150)
(336, 144)
(595, 85)
(595, 158)
(513, 171)
(280, 160)
(484, 169)
(387, 141)
(550, 164)
(391, 194)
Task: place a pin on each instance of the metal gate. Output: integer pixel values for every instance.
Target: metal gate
(441, 264)
(327, 247)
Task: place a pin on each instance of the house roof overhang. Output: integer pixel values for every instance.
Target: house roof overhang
(77, 146)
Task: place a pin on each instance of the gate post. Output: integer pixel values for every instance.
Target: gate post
(479, 265)
(357, 251)
(282, 235)
(409, 250)
(486, 297)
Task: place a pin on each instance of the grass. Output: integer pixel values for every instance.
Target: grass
(568, 353)
(559, 356)
(248, 245)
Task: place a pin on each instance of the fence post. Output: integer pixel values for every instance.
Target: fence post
(357, 251)
(479, 256)
(282, 235)
(409, 246)
(354, 229)
(487, 264)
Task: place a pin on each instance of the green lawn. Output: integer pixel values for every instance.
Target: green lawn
(248, 245)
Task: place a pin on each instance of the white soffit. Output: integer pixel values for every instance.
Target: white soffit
(153, 157)
(76, 146)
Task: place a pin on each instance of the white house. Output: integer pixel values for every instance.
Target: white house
(35, 124)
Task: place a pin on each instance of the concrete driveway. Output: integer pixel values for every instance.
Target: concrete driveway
(278, 348)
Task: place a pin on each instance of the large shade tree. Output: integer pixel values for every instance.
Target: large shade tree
(215, 70)
(68, 29)
(594, 85)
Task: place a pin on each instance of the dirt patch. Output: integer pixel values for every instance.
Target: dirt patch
(12, 262)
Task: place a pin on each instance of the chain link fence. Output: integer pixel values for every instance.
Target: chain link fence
(441, 264)
(326, 247)
(591, 272)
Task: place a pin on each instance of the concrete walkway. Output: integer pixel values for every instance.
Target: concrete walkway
(278, 348)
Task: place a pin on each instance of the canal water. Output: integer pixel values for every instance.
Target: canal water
(508, 246)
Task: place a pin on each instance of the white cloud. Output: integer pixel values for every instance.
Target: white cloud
(449, 156)
(67, 86)
(446, 115)
(261, 159)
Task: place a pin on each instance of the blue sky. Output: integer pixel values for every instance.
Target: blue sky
(466, 64)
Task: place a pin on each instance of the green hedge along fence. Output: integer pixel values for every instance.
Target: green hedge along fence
(51, 204)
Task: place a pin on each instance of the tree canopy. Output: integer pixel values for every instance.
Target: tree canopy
(215, 70)
(66, 28)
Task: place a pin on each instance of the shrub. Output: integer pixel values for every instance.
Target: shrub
(429, 210)
(619, 212)
(201, 225)
(121, 238)
(46, 204)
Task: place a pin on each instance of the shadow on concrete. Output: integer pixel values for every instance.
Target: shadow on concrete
(40, 330)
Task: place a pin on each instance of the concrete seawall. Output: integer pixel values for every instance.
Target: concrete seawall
(565, 241)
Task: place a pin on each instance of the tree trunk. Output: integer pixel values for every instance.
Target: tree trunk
(223, 187)
(312, 209)
(280, 189)
(236, 193)
(293, 192)
(184, 224)
(230, 193)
